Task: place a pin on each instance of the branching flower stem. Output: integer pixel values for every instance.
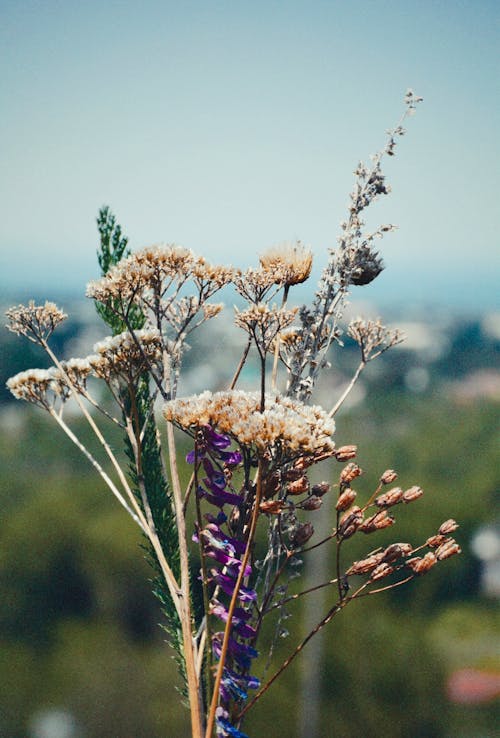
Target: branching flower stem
(329, 615)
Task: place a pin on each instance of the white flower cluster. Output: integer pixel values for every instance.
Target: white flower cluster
(286, 424)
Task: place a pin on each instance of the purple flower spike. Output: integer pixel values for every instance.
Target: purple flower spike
(190, 457)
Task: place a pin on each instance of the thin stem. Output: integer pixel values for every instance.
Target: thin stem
(96, 466)
(241, 364)
(330, 614)
(300, 594)
(232, 606)
(190, 648)
(274, 375)
(204, 584)
(347, 390)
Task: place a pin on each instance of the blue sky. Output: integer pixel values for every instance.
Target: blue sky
(231, 126)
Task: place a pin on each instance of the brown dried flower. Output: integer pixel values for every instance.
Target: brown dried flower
(350, 522)
(377, 522)
(388, 477)
(349, 473)
(449, 526)
(396, 551)
(298, 487)
(320, 489)
(447, 549)
(413, 493)
(382, 570)
(289, 263)
(272, 507)
(345, 499)
(390, 498)
(344, 453)
(422, 565)
(302, 534)
(365, 565)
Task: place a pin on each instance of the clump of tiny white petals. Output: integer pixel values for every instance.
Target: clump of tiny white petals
(126, 353)
(264, 322)
(373, 337)
(155, 267)
(33, 385)
(36, 322)
(294, 427)
(290, 263)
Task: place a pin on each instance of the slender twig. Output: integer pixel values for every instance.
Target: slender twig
(241, 364)
(347, 390)
(96, 466)
(274, 375)
(190, 648)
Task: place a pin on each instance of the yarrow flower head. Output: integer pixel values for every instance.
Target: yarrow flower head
(126, 355)
(36, 322)
(290, 263)
(286, 426)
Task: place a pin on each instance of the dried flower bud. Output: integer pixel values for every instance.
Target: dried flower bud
(320, 489)
(292, 474)
(365, 565)
(388, 477)
(312, 503)
(302, 534)
(435, 541)
(349, 473)
(450, 548)
(350, 522)
(298, 487)
(271, 484)
(272, 507)
(422, 565)
(377, 522)
(449, 526)
(390, 498)
(381, 571)
(413, 493)
(346, 499)
(344, 453)
(396, 551)
(367, 266)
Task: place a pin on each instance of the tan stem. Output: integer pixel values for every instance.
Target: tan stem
(189, 646)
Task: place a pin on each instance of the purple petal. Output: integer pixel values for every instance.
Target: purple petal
(231, 458)
(217, 440)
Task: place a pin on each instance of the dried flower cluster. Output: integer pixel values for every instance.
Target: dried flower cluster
(252, 453)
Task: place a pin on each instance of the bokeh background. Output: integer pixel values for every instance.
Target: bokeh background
(229, 127)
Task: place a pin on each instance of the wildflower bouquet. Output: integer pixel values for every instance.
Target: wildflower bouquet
(252, 454)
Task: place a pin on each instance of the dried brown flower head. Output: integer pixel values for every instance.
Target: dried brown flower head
(289, 263)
